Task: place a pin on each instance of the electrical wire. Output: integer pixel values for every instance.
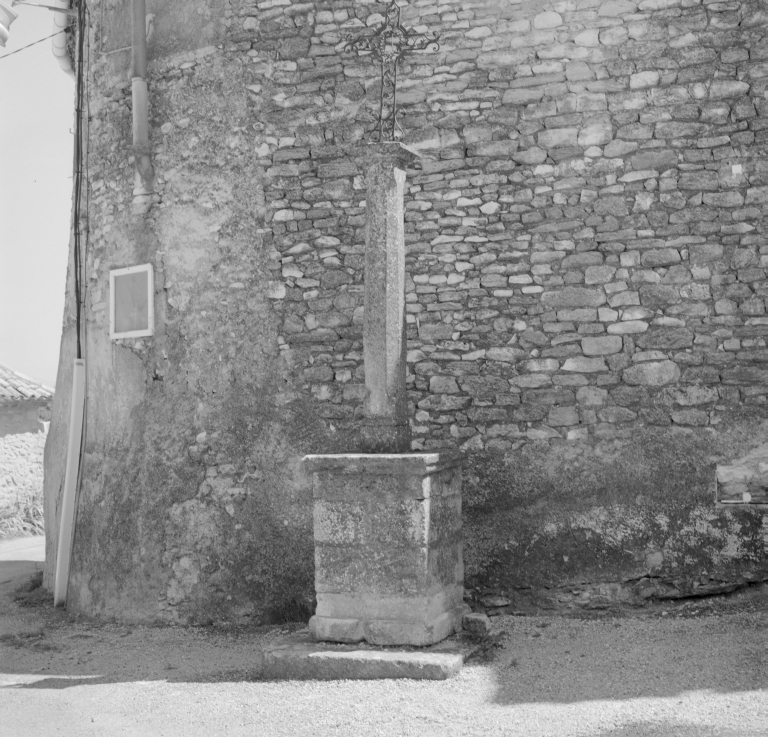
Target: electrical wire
(39, 40)
(82, 32)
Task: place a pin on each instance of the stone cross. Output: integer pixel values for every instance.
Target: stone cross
(387, 522)
(388, 44)
(384, 160)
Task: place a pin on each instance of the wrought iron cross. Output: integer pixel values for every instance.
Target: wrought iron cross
(388, 44)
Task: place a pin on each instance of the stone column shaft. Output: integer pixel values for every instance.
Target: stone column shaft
(386, 428)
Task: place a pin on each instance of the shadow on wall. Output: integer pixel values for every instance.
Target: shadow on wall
(613, 513)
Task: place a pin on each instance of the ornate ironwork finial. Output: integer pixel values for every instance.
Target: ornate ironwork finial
(388, 43)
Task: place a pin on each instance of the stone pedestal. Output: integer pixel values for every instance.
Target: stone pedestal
(388, 554)
(386, 428)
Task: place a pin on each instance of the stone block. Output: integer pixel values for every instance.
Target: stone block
(494, 148)
(643, 80)
(506, 355)
(533, 155)
(603, 345)
(591, 101)
(678, 129)
(693, 417)
(558, 138)
(654, 159)
(724, 199)
(388, 560)
(578, 71)
(563, 417)
(666, 339)
(523, 96)
(757, 195)
(337, 169)
(443, 385)
(653, 373)
(723, 88)
(596, 132)
(537, 365)
(573, 297)
(547, 19)
(589, 37)
(617, 8)
(591, 396)
(582, 314)
(658, 295)
(615, 415)
(435, 331)
(699, 181)
(584, 365)
(628, 327)
(477, 623)
(617, 148)
(599, 274)
(580, 260)
(701, 253)
(660, 257)
(613, 36)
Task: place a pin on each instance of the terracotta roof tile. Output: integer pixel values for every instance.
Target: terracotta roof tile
(16, 386)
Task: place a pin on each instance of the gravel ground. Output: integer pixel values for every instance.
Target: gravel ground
(698, 669)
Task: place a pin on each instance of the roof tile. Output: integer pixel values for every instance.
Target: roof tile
(17, 387)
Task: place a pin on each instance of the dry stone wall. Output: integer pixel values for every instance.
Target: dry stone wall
(586, 262)
(584, 235)
(586, 294)
(21, 482)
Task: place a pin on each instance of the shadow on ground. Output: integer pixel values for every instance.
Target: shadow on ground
(640, 729)
(532, 659)
(716, 646)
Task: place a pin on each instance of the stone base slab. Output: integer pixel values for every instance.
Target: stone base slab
(297, 657)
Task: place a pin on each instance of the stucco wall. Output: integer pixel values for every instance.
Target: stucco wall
(23, 416)
(586, 295)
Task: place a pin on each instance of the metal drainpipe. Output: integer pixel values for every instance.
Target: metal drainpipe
(59, 43)
(141, 148)
(69, 495)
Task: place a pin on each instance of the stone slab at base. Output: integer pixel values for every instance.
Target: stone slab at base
(298, 657)
(388, 557)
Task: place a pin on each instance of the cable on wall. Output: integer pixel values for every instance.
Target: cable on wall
(80, 87)
(34, 43)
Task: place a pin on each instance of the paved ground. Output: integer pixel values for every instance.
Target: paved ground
(698, 669)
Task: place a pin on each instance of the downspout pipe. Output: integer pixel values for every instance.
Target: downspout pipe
(141, 149)
(69, 496)
(59, 42)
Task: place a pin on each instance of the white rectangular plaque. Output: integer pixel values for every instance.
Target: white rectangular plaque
(131, 302)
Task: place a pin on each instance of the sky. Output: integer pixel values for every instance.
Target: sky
(36, 119)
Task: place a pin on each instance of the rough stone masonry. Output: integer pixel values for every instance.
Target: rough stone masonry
(586, 296)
